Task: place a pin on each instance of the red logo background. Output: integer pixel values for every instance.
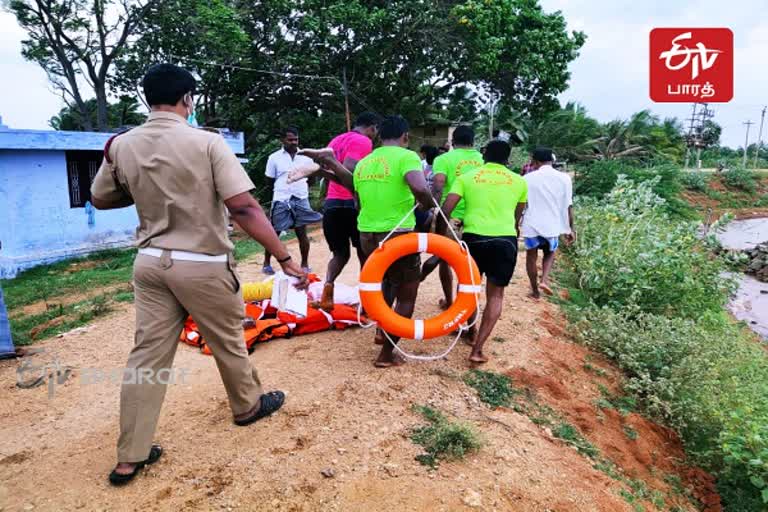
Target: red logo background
(678, 86)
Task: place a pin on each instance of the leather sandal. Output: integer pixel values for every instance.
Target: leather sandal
(270, 402)
(121, 479)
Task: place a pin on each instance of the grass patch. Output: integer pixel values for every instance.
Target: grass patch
(625, 404)
(595, 369)
(46, 282)
(630, 432)
(443, 439)
(630, 498)
(573, 437)
(29, 328)
(492, 388)
(499, 339)
(124, 296)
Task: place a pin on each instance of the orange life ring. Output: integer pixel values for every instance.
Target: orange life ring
(376, 308)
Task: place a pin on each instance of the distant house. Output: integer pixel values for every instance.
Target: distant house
(435, 132)
(45, 214)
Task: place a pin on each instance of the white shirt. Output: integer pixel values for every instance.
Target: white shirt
(278, 166)
(550, 193)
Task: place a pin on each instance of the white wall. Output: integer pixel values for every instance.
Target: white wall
(37, 224)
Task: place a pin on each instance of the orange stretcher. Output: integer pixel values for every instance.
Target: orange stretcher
(270, 324)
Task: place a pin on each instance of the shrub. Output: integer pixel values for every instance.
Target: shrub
(442, 439)
(652, 299)
(630, 254)
(494, 389)
(598, 178)
(702, 377)
(694, 180)
(740, 178)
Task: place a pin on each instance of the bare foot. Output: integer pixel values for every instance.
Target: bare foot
(389, 363)
(545, 288)
(468, 336)
(477, 358)
(124, 468)
(534, 295)
(302, 171)
(317, 154)
(326, 300)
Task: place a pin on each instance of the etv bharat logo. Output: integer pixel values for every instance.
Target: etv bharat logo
(691, 65)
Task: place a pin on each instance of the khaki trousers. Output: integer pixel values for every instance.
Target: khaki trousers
(166, 291)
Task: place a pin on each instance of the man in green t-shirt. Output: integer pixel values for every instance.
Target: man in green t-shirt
(494, 199)
(387, 183)
(462, 159)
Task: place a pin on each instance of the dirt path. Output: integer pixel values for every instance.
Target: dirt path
(340, 413)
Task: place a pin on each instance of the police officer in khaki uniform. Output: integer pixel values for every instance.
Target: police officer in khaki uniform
(180, 179)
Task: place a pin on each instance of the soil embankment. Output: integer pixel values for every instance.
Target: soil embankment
(344, 415)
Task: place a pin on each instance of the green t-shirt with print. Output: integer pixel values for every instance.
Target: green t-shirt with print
(453, 164)
(385, 197)
(491, 194)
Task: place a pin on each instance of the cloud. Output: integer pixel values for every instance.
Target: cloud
(610, 78)
(26, 100)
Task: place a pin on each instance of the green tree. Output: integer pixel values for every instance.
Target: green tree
(190, 33)
(567, 131)
(515, 49)
(78, 40)
(414, 57)
(120, 114)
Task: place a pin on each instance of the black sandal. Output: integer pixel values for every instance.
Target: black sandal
(121, 479)
(270, 402)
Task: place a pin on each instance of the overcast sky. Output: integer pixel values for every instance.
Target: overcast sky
(610, 77)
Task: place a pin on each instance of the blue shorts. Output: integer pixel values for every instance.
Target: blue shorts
(293, 213)
(547, 245)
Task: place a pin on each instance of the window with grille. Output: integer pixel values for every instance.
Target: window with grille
(82, 167)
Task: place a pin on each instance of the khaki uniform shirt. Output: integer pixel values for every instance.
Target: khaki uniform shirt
(179, 178)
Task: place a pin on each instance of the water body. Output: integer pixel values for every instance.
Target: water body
(750, 303)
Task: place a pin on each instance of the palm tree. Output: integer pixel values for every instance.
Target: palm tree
(566, 131)
(622, 139)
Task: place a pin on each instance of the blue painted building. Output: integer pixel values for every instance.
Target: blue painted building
(45, 180)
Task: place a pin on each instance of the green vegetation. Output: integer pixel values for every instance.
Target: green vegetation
(68, 277)
(443, 439)
(694, 180)
(568, 433)
(52, 284)
(630, 432)
(57, 319)
(595, 369)
(652, 299)
(740, 178)
(598, 178)
(524, 401)
(492, 388)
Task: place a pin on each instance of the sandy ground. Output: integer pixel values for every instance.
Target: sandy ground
(341, 414)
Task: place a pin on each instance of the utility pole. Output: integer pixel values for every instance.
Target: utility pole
(491, 109)
(695, 137)
(746, 142)
(346, 99)
(760, 136)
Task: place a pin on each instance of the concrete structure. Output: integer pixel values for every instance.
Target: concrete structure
(45, 179)
(435, 132)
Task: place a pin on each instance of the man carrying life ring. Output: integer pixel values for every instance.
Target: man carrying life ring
(387, 183)
(494, 199)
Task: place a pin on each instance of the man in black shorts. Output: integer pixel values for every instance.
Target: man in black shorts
(340, 215)
(494, 199)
